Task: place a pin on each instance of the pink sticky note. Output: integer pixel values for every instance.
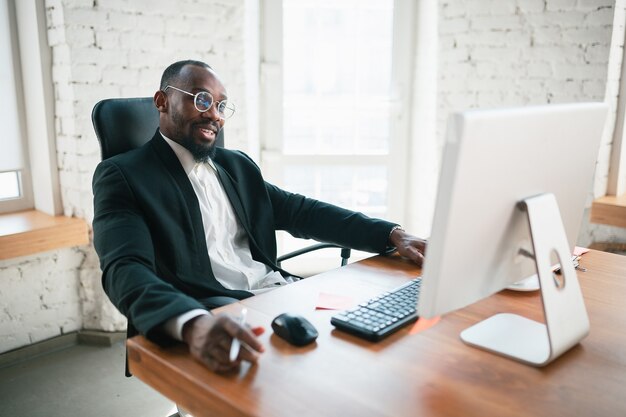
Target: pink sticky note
(333, 302)
(580, 251)
(424, 324)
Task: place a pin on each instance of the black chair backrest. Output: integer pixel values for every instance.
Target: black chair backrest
(122, 124)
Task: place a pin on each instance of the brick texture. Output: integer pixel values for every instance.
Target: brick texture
(39, 297)
(532, 52)
(107, 49)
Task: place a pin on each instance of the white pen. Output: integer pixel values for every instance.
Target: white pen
(236, 345)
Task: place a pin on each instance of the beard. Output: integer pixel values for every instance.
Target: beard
(201, 152)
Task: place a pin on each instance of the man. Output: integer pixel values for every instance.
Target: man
(180, 223)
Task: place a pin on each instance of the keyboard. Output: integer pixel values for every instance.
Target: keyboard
(382, 315)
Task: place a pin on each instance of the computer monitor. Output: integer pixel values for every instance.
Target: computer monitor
(481, 241)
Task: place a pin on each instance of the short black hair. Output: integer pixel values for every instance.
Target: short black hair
(172, 72)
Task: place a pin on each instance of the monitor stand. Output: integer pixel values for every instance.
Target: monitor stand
(566, 321)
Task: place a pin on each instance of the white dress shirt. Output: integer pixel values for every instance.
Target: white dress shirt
(227, 241)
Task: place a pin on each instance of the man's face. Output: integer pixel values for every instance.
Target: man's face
(183, 123)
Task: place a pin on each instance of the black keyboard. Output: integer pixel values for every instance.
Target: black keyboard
(381, 315)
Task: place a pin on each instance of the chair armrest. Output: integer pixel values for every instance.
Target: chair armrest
(345, 252)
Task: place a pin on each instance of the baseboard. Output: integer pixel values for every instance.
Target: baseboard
(40, 348)
(84, 337)
(99, 338)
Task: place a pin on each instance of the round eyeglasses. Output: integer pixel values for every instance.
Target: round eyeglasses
(203, 101)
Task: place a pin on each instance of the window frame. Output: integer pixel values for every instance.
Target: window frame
(25, 200)
(616, 179)
(32, 60)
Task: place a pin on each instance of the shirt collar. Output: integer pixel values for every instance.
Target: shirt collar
(184, 156)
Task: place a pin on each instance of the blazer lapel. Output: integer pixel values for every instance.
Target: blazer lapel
(173, 166)
(231, 191)
(229, 185)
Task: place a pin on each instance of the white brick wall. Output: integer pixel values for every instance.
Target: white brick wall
(39, 297)
(499, 53)
(521, 52)
(117, 48)
(120, 49)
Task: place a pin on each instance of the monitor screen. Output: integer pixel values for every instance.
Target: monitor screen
(492, 160)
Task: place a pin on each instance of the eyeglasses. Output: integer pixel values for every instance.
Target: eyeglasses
(203, 101)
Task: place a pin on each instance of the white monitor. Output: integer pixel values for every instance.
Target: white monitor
(493, 160)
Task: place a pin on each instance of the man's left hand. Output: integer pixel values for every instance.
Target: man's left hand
(408, 246)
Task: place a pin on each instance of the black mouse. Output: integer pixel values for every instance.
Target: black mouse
(294, 329)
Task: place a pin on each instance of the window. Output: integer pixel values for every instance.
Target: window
(15, 190)
(28, 172)
(334, 122)
(10, 187)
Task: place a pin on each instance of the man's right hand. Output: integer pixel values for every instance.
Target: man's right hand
(209, 339)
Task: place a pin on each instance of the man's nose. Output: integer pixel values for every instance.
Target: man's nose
(212, 113)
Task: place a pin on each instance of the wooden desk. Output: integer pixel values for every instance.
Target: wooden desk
(427, 374)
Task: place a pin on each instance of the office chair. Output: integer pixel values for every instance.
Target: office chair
(122, 124)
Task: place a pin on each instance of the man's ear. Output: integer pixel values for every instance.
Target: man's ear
(160, 101)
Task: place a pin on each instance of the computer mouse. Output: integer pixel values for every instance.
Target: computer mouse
(294, 329)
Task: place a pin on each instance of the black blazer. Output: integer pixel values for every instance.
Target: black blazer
(149, 235)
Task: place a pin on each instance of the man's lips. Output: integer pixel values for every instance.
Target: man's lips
(208, 131)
